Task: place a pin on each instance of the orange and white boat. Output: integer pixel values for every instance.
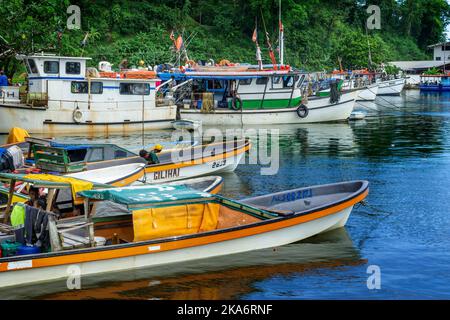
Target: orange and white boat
(157, 225)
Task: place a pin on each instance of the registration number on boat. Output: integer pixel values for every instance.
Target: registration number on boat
(292, 196)
(218, 164)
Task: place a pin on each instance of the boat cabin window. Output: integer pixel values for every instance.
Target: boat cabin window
(97, 154)
(288, 82)
(73, 67)
(32, 65)
(135, 88)
(51, 66)
(118, 154)
(276, 80)
(299, 83)
(77, 155)
(245, 82)
(82, 87)
(215, 85)
(262, 80)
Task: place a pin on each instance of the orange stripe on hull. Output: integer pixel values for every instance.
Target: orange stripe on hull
(249, 230)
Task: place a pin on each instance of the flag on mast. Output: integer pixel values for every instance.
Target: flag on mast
(255, 36)
(179, 43)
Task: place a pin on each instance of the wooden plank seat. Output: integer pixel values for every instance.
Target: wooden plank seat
(63, 237)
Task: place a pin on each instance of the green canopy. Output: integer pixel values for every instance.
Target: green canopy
(148, 195)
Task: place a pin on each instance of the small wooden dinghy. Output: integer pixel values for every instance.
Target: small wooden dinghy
(168, 224)
(186, 124)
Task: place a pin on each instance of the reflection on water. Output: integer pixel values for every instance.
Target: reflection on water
(224, 277)
(402, 148)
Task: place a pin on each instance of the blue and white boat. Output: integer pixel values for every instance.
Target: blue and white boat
(437, 83)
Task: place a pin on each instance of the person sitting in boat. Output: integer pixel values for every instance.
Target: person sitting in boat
(34, 195)
(151, 156)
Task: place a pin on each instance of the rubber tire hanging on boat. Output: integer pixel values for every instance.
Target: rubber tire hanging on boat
(77, 115)
(302, 111)
(234, 104)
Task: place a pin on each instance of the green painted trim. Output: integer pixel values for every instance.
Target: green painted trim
(269, 103)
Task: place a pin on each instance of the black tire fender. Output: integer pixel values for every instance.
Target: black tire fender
(302, 111)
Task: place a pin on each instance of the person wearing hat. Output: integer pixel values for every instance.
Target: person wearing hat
(151, 156)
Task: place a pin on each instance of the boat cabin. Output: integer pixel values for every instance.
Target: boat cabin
(235, 90)
(69, 82)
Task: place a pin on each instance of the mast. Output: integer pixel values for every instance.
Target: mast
(281, 36)
(269, 45)
(370, 54)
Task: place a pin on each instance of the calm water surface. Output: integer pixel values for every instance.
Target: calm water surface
(402, 148)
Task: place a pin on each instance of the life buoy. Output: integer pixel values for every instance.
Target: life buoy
(302, 111)
(77, 116)
(236, 103)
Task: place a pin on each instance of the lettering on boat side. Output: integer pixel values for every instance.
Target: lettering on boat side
(154, 248)
(292, 196)
(166, 174)
(20, 264)
(218, 164)
(226, 309)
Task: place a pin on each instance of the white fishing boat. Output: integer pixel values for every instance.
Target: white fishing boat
(66, 97)
(358, 79)
(145, 234)
(257, 97)
(391, 87)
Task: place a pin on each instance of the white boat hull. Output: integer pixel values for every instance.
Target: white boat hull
(391, 87)
(228, 164)
(60, 120)
(368, 94)
(320, 110)
(270, 239)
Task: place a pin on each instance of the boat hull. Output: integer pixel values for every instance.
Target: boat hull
(195, 168)
(49, 121)
(277, 237)
(368, 94)
(320, 110)
(391, 87)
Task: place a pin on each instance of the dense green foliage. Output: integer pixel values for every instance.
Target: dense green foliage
(317, 32)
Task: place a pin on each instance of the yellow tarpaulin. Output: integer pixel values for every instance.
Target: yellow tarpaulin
(170, 221)
(76, 184)
(17, 135)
